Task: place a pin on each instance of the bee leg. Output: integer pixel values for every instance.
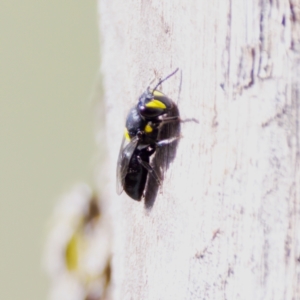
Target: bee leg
(167, 141)
(170, 119)
(149, 169)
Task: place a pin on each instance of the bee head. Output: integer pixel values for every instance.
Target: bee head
(153, 103)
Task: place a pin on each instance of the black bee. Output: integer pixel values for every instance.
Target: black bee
(140, 140)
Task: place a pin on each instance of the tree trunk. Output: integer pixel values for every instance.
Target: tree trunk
(225, 221)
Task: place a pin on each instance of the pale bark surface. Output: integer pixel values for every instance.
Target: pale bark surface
(225, 222)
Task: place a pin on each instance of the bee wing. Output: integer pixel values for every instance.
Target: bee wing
(125, 154)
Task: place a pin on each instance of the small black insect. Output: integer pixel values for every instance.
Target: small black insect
(140, 140)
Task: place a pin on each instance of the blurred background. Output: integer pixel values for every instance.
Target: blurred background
(49, 60)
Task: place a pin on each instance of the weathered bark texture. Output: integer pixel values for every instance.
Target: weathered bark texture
(225, 222)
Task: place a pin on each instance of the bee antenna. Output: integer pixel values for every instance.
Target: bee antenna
(162, 80)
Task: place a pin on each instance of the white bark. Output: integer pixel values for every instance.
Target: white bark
(225, 222)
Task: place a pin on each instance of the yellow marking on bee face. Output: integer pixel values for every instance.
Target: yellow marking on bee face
(148, 128)
(156, 104)
(126, 134)
(157, 93)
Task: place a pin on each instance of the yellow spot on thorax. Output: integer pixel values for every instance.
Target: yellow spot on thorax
(148, 128)
(126, 134)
